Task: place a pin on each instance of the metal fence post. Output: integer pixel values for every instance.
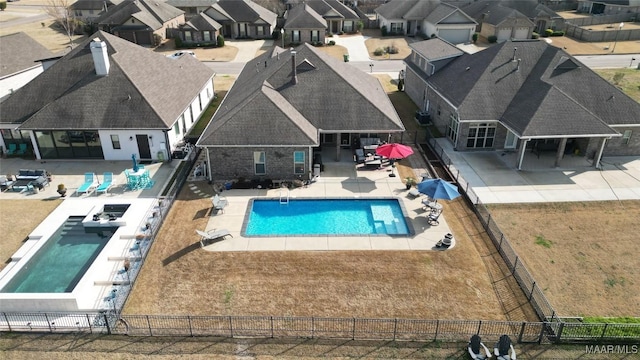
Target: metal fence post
(149, 325)
(7, 320)
(604, 330)
(106, 321)
(515, 264)
(190, 327)
(88, 323)
(271, 320)
(353, 329)
(532, 288)
(524, 323)
(437, 328)
(48, 323)
(313, 327)
(543, 327)
(500, 245)
(479, 326)
(230, 326)
(395, 328)
(559, 334)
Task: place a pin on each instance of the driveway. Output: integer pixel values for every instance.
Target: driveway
(354, 44)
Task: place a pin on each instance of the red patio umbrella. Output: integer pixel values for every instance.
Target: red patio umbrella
(394, 151)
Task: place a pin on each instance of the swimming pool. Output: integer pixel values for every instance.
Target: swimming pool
(318, 217)
(59, 265)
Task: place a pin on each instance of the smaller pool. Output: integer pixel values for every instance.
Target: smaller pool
(317, 217)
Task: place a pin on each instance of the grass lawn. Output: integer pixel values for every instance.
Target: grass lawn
(583, 255)
(335, 51)
(627, 80)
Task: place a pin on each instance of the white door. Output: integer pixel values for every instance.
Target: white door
(511, 141)
(522, 33)
(455, 36)
(504, 34)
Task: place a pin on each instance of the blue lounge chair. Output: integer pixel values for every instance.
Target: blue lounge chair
(90, 183)
(11, 150)
(107, 183)
(22, 150)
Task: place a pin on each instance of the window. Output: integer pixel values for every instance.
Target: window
(200, 101)
(176, 128)
(452, 128)
(397, 28)
(481, 135)
(184, 124)
(206, 35)
(626, 137)
(315, 35)
(208, 93)
(260, 30)
(115, 141)
(187, 36)
(295, 36)
(347, 26)
(91, 11)
(78, 13)
(298, 162)
(259, 162)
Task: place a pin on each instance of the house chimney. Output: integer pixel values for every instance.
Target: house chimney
(515, 49)
(100, 56)
(294, 71)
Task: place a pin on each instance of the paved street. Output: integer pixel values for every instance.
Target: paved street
(610, 61)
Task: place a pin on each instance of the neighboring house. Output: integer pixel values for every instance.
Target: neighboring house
(191, 8)
(427, 18)
(89, 10)
(292, 103)
(201, 30)
(144, 22)
(303, 24)
(338, 17)
(500, 21)
(521, 95)
(21, 60)
(243, 19)
(541, 15)
(609, 7)
(98, 102)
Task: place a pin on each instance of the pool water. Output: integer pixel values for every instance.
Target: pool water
(326, 217)
(59, 265)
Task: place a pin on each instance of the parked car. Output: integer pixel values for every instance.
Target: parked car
(178, 54)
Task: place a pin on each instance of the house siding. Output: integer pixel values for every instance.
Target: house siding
(620, 147)
(415, 87)
(237, 162)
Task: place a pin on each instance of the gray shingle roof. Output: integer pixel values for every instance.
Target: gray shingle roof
(69, 95)
(202, 22)
(489, 85)
(492, 12)
(191, 3)
(497, 9)
(435, 49)
(396, 9)
(20, 52)
(93, 4)
(442, 11)
(329, 95)
(244, 11)
(331, 8)
(302, 16)
(151, 13)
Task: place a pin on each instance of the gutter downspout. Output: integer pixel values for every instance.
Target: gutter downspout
(523, 147)
(599, 156)
(167, 146)
(209, 176)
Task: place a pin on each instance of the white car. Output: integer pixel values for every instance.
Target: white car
(178, 54)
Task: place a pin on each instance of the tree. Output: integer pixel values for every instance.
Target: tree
(61, 12)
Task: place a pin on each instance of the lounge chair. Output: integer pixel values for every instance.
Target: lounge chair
(501, 350)
(212, 235)
(359, 156)
(432, 218)
(219, 202)
(107, 183)
(90, 183)
(11, 150)
(475, 349)
(22, 150)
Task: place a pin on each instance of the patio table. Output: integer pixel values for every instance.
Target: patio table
(137, 179)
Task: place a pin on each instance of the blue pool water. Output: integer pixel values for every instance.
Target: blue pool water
(59, 265)
(326, 217)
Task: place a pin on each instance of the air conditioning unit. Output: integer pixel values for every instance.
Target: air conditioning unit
(423, 117)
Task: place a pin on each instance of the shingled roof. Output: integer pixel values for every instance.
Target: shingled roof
(264, 107)
(407, 9)
(492, 12)
(19, 52)
(304, 17)
(69, 95)
(497, 10)
(151, 13)
(544, 92)
(244, 11)
(435, 49)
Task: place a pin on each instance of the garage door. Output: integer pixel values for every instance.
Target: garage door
(522, 33)
(504, 34)
(455, 36)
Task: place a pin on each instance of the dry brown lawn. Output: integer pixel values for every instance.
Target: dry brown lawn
(583, 255)
(18, 218)
(379, 42)
(335, 51)
(49, 37)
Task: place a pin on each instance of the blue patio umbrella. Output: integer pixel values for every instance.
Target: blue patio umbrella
(135, 163)
(438, 189)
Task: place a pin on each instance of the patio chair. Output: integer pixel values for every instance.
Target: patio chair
(22, 150)
(504, 349)
(475, 348)
(90, 183)
(219, 202)
(432, 218)
(11, 150)
(107, 183)
(212, 235)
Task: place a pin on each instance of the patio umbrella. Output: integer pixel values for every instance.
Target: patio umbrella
(394, 151)
(438, 189)
(135, 163)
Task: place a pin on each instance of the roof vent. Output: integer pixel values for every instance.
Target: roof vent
(515, 49)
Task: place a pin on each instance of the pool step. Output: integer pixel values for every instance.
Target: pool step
(386, 227)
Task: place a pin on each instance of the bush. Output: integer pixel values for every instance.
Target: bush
(492, 39)
(392, 49)
(360, 26)
(557, 33)
(220, 40)
(340, 32)
(474, 37)
(317, 43)
(3, 5)
(330, 34)
(548, 32)
(378, 52)
(535, 35)
(384, 30)
(331, 43)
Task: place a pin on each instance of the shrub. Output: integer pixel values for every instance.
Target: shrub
(392, 49)
(548, 32)
(330, 34)
(220, 40)
(535, 35)
(492, 39)
(340, 32)
(317, 43)
(378, 52)
(360, 26)
(474, 37)
(157, 39)
(3, 5)
(557, 33)
(331, 43)
(384, 30)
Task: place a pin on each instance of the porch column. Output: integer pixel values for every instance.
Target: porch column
(523, 147)
(598, 157)
(560, 151)
(338, 143)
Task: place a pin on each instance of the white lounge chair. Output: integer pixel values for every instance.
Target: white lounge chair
(107, 183)
(212, 235)
(219, 202)
(90, 183)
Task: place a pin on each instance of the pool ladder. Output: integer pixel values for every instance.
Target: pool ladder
(284, 197)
